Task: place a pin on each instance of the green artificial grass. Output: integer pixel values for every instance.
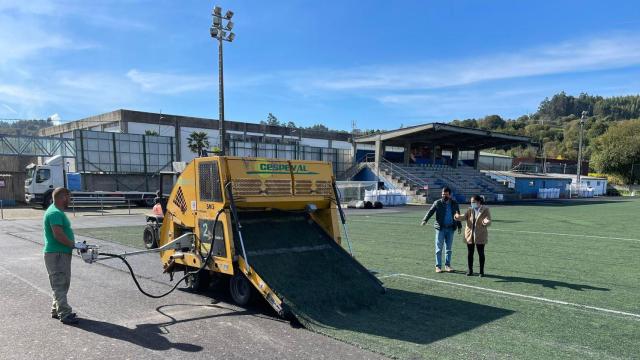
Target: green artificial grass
(580, 252)
(125, 235)
(560, 251)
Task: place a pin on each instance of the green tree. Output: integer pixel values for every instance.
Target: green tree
(615, 151)
(491, 122)
(151, 133)
(318, 127)
(198, 141)
(272, 120)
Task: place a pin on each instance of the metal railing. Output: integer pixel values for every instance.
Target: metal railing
(352, 171)
(394, 169)
(101, 203)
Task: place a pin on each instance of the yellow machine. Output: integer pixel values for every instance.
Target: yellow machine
(242, 210)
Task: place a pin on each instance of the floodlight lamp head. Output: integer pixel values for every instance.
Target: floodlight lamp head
(231, 37)
(217, 22)
(217, 11)
(229, 25)
(228, 15)
(214, 32)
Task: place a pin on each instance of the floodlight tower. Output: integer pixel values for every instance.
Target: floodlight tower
(221, 32)
(583, 118)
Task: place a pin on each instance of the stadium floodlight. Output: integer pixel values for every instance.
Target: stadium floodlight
(218, 32)
(583, 118)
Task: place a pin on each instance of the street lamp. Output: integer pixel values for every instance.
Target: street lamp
(583, 118)
(221, 32)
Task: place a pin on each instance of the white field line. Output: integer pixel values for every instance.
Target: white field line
(571, 235)
(539, 233)
(388, 276)
(537, 298)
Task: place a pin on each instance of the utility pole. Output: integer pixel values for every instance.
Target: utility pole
(583, 118)
(219, 32)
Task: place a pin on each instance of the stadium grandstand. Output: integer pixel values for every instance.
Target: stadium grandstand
(424, 159)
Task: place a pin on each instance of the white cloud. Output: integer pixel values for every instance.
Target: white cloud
(610, 52)
(9, 108)
(55, 119)
(19, 40)
(166, 83)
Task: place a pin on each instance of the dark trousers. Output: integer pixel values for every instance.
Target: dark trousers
(480, 255)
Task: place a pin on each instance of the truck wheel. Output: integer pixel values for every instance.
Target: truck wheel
(150, 237)
(48, 200)
(240, 288)
(199, 281)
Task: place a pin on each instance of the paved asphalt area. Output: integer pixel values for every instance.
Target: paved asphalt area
(117, 322)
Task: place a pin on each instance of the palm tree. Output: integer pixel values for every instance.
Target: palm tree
(197, 141)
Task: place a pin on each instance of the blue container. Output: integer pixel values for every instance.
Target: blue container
(74, 181)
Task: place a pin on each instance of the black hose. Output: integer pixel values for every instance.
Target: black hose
(204, 263)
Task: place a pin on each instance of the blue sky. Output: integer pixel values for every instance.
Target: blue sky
(382, 64)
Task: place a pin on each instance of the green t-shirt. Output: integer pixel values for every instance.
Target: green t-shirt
(55, 216)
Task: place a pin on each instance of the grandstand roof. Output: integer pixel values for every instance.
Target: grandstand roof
(446, 136)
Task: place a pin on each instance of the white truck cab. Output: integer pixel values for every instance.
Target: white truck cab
(43, 179)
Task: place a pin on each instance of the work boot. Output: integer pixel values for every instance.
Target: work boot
(69, 319)
(54, 315)
(469, 273)
(438, 270)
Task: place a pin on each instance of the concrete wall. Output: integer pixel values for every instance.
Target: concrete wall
(140, 128)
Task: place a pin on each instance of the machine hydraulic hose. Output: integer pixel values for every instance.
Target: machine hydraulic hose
(133, 275)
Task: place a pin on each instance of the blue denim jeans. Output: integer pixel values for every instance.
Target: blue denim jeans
(444, 237)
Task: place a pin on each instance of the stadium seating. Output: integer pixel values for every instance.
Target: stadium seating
(464, 181)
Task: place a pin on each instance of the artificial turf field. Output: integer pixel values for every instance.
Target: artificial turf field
(581, 252)
(563, 281)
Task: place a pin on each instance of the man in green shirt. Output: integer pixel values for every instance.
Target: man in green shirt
(58, 244)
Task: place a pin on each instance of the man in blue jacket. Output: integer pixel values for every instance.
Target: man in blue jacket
(444, 208)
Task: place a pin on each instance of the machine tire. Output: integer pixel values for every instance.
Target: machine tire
(150, 236)
(199, 281)
(240, 288)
